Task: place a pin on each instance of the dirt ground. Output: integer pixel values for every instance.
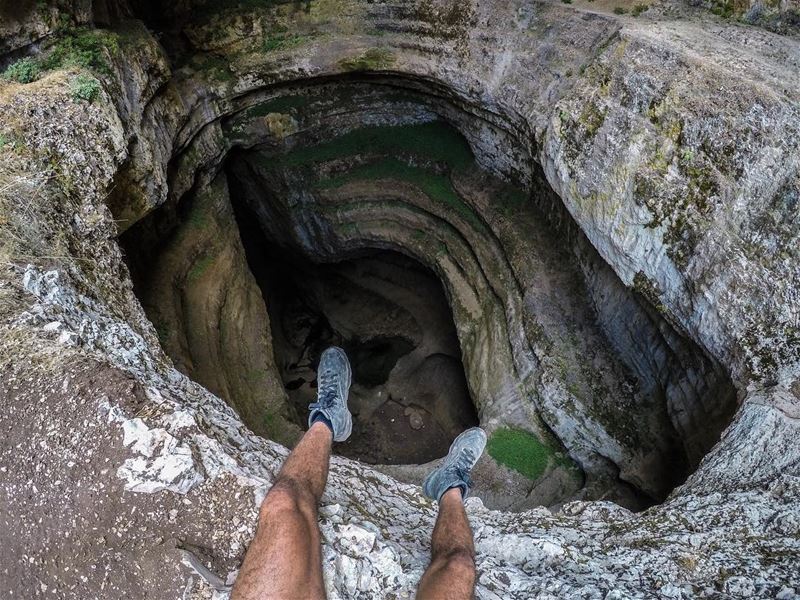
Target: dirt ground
(70, 530)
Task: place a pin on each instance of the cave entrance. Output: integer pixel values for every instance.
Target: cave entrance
(357, 213)
(409, 395)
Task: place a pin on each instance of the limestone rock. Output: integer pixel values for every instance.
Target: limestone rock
(634, 309)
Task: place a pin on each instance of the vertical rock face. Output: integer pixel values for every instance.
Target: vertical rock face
(608, 203)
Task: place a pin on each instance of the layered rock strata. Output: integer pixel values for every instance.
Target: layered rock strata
(609, 204)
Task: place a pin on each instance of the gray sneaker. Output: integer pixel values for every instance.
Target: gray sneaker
(464, 452)
(333, 384)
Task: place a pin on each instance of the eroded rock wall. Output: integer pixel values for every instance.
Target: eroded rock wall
(703, 211)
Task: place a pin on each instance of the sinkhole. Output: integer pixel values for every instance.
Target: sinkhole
(409, 396)
(381, 215)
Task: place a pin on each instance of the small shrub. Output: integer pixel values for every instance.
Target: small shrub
(620, 10)
(24, 70)
(84, 87)
(639, 9)
(567, 1)
(84, 48)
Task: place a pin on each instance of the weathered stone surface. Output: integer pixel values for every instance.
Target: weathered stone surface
(667, 158)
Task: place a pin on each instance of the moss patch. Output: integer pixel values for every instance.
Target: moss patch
(437, 140)
(520, 451)
(200, 267)
(437, 187)
(374, 59)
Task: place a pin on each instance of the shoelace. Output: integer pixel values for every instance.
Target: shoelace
(462, 466)
(328, 382)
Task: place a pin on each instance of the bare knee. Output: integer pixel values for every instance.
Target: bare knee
(287, 496)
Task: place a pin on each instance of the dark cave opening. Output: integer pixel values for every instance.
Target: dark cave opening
(452, 291)
(409, 395)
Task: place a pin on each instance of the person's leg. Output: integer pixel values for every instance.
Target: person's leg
(451, 574)
(284, 560)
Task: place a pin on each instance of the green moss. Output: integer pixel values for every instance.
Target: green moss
(199, 267)
(24, 70)
(702, 185)
(84, 87)
(436, 140)
(520, 451)
(673, 130)
(435, 145)
(374, 59)
(723, 8)
(436, 186)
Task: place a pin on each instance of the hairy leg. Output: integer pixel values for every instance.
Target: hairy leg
(451, 574)
(284, 559)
